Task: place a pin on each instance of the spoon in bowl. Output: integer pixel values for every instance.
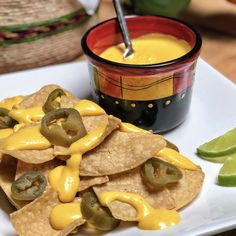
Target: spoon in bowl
(124, 30)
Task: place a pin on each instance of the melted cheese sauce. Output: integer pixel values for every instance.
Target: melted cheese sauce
(8, 103)
(147, 217)
(64, 214)
(129, 128)
(175, 158)
(65, 179)
(28, 115)
(31, 138)
(167, 154)
(149, 49)
(89, 108)
(4, 133)
(27, 138)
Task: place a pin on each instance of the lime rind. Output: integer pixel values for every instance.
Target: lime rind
(227, 174)
(218, 159)
(227, 181)
(220, 146)
(212, 153)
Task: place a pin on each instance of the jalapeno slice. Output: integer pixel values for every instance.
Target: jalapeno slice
(51, 103)
(70, 130)
(157, 173)
(5, 120)
(98, 216)
(171, 145)
(28, 186)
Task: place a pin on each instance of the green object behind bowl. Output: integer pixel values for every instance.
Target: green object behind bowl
(159, 7)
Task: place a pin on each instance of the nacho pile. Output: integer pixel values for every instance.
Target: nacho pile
(65, 164)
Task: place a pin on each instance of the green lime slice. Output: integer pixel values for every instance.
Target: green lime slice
(227, 174)
(218, 159)
(220, 146)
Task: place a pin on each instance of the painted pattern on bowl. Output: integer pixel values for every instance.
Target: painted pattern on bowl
(155, 96)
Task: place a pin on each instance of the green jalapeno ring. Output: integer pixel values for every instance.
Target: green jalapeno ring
(28, 186)
(157, 173)
(51, 103)
(5, 120)
(71, 129)
(98, 216)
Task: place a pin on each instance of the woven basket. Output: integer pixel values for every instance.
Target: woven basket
(37, 33)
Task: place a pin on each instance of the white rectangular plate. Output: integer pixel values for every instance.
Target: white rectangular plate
(212, 113)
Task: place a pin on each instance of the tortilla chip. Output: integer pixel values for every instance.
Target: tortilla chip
(69, 102)
(87, 182)
(43, 168)
(7, 177)
(91, 123)
(187, 188)
(1, 156)
(33, 219)
(38, 98)
(131, 181)
(120, 152)
(32, 156)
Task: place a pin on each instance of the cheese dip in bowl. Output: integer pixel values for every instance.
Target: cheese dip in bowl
(152, 88)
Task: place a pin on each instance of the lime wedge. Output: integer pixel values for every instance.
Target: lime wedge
(227, 175)
(218, 159)
(220, 146)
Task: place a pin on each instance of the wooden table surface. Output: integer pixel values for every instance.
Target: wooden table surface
(219, 50)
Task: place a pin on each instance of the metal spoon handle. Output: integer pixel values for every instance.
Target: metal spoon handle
(124, 30)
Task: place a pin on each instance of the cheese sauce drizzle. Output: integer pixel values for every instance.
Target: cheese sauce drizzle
(4, 133)
(129, 128)
(175, 158)
(167, 154)
(8, 103)
(148, 218)
(89, 108)
(26, 138)
(64, 214)
(65, 179)
(27, 115)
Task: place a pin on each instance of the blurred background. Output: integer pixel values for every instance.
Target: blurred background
(43, 32)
